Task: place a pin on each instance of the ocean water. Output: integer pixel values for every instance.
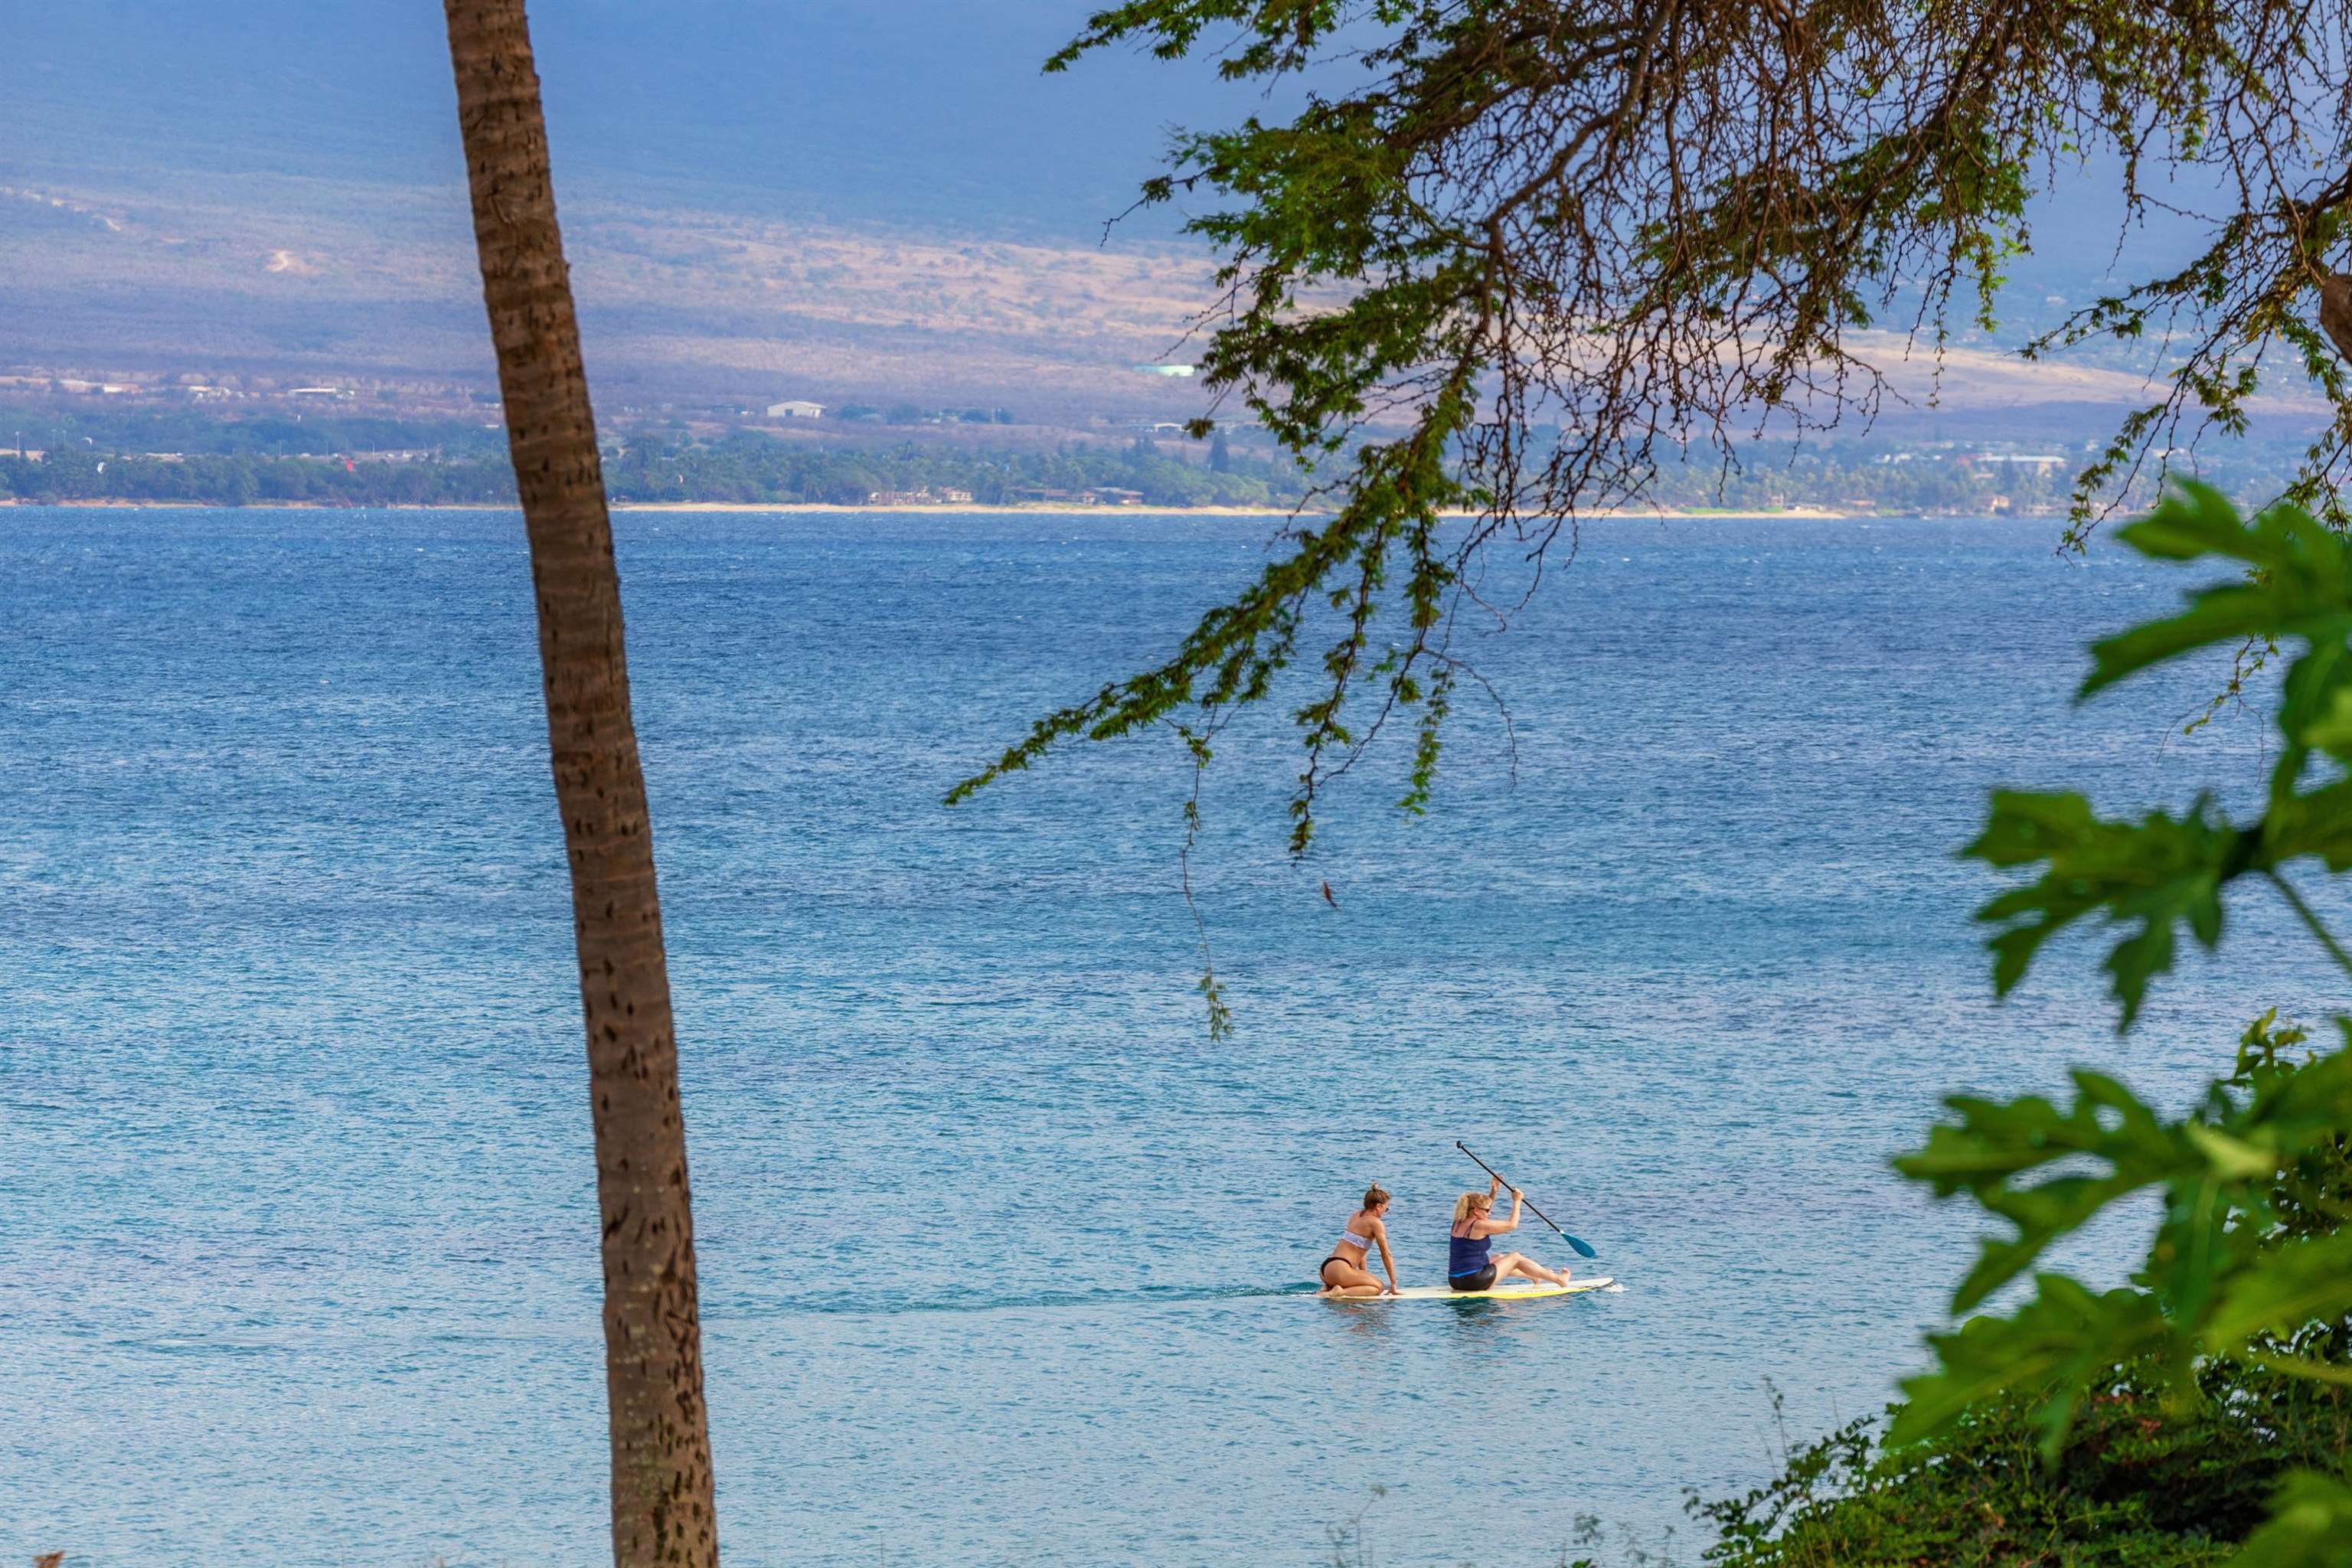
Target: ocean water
(1003, 1259)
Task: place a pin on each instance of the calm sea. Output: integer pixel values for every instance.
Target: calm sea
(1002, 1257)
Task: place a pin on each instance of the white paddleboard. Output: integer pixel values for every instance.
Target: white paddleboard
(1513, 1292)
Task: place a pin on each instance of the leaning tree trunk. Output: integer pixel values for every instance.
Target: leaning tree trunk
(662, 1504)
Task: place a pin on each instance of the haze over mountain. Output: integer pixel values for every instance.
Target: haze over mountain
(782, 197)
(906, 112)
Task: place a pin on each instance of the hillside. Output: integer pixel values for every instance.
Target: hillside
(762, 201)
(262, 276)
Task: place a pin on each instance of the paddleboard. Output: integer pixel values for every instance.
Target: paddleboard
(1508, 1293)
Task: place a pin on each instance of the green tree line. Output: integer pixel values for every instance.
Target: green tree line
(196, 429)
(251, 478)
(745, 469)
(751, 469)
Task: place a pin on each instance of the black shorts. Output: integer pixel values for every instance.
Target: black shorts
(1482, 1280)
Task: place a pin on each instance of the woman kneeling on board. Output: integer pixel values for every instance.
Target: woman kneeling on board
(1346, 1272)
(1468, 1264)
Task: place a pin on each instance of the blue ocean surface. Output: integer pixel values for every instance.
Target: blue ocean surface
(1005, 1261)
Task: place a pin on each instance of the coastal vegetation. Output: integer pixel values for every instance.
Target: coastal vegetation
(2142, 1481)
(384, 463)
(752, 468)
(355, 461)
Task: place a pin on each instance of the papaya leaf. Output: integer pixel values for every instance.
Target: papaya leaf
(2300, 584)
(2306, 1280)
(1996, 1144)
(2329, 724)
(2317, 822)
(2296, 1107)
(2191, 521)
(2314, 699)
(2151, 875)
(2058, 1346)
(2222, 1267)
(2310, 1526)
(2163, 873)
(2252, 1258)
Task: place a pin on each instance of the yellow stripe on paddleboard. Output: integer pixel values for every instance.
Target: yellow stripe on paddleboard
(1447, 1292)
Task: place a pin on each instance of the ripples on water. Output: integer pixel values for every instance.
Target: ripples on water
(1003, 1261)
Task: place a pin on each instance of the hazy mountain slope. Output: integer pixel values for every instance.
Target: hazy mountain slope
(781, 197)
(321, 282)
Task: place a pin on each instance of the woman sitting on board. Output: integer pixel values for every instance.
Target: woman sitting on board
(1346, 1272)
(1468, 1264)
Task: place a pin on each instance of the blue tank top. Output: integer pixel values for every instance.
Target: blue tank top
(1466, 1254)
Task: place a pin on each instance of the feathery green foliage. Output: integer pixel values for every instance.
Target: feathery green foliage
(1510, 253)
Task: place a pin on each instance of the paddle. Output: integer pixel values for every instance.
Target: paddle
(1582, 1248)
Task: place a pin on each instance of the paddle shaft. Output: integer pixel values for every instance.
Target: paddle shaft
(1516, 1192)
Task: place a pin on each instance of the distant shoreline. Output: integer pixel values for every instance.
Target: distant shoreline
(1791, 513)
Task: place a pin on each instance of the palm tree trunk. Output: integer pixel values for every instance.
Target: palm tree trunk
(662, 1503)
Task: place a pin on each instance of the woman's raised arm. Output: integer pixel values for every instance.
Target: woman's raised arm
(1503, 1226)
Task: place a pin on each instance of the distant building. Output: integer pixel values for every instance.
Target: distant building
(339, 394)
(1098, 495)
(795, 409)
(926, 496)
(1164, 369)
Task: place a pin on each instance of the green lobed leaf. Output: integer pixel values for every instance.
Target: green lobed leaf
(2310, 1526)
(1996, 1144)
(2306, 1280)
(2222, 1269)
(2164, 873)
(2058, 1347)
(2152, 876)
